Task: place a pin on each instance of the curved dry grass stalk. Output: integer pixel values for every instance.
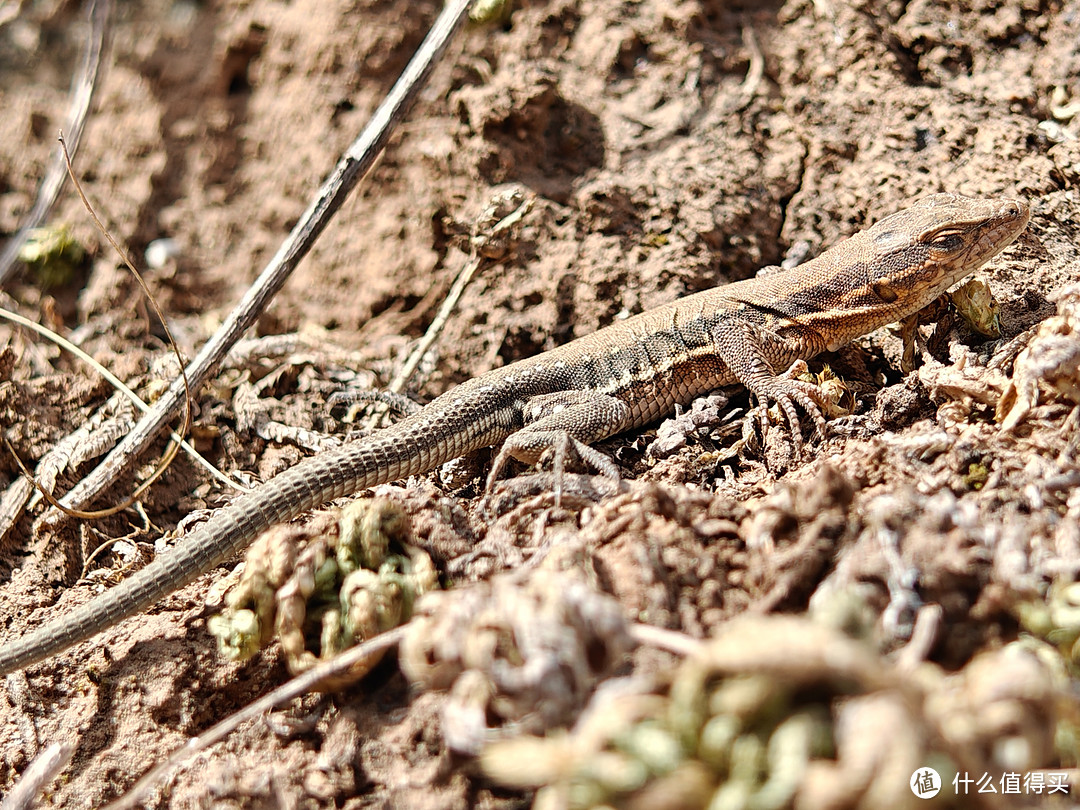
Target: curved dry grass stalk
(82, 93)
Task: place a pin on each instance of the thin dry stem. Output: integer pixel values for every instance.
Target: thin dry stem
(352, 167)
(82, 93)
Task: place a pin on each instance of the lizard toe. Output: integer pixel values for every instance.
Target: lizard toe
(791, 414)
(813, 402)
(795, 370)
(787, 394)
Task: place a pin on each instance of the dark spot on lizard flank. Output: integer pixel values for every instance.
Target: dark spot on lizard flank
(825, 295)
(627, 360)
(658, 347)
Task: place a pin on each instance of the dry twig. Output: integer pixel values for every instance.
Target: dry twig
(82, 93)
(351, 168)
(300, 685)
(42, 770)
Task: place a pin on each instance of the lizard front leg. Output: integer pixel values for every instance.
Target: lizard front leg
(746, 351)
(561, 422)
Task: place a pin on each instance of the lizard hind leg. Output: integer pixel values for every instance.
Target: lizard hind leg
(560, 425)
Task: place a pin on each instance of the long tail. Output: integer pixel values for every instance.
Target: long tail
(403, 450)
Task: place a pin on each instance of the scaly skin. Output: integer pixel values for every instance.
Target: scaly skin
(619, 378)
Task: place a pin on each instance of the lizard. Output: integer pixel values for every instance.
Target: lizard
(757, 333)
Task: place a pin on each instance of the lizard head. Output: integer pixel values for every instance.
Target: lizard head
(925, 249)
(899, 265)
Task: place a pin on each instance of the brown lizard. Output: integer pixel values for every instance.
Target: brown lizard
(757, 333)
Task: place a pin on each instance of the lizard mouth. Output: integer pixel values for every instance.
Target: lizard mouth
(998, 232)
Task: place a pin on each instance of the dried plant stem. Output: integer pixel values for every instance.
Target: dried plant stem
(119, 385)
(397, 385)
(82, 93)
(45, 767)
(355, 163)
(300, 685)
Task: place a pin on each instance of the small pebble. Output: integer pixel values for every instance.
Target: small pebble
(160, 251)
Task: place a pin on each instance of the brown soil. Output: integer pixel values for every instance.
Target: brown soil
(661, 166)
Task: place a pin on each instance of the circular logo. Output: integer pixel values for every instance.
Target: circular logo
(925, 783)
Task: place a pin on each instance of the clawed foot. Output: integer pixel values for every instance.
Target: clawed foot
(561, 424)
(787, 391)
(536, 447)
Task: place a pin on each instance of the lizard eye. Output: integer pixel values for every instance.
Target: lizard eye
(948, 242)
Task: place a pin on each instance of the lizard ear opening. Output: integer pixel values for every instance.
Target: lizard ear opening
(883, 291)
